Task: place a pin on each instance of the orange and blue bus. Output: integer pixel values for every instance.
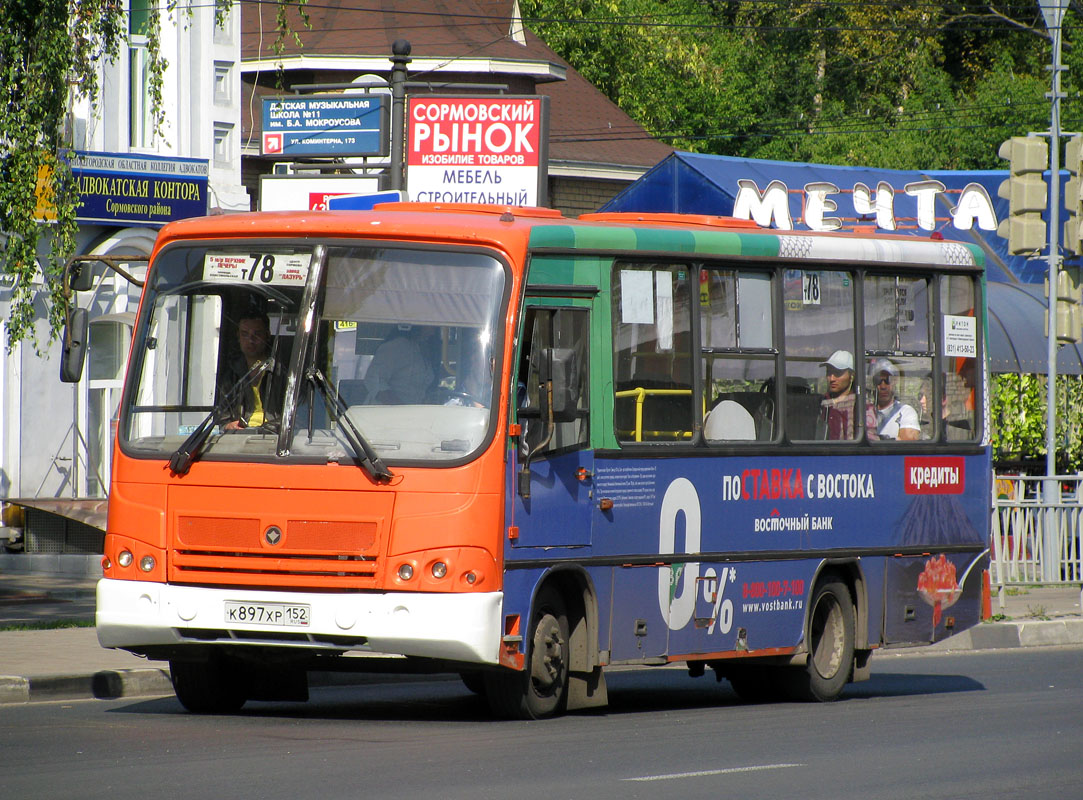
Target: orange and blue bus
(524, 448)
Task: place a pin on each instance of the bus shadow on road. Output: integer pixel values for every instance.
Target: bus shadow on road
(630, 692)
(642, 691)
(892, 684)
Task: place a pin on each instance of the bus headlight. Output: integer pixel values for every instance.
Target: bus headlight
(125, 558)
(406, 571)
(439, 569)
(146, 563)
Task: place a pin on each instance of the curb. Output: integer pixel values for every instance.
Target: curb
(103, 685)
(1003, 635)
(116, 684)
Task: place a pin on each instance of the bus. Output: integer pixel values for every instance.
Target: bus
(520, 447)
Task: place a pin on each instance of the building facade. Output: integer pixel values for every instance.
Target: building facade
(55, 438)
(206, 157)
(473, 48)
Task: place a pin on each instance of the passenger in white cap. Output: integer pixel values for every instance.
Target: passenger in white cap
(894, 418)
(837, 410)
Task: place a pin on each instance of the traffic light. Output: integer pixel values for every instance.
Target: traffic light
(1026, 193)
(1069, 308)
(1073, 194)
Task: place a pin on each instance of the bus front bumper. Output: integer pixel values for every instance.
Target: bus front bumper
(144, 616)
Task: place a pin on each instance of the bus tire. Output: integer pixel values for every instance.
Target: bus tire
(830, 640)
(213, 686)
(541, 690)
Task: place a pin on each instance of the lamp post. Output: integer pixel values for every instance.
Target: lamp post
(400, 57)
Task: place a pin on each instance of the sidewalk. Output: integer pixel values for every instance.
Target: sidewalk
(68, 664)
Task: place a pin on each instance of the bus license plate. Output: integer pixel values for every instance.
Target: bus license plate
(294, 614)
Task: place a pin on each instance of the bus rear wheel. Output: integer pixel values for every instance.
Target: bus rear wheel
(830, 640)
(541, 690)
(214, 686)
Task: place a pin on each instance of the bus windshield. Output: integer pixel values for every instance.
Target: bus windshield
(403, 348)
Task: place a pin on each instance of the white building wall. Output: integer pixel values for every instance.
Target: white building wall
(44, 424)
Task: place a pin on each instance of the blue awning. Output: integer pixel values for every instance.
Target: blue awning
(693, 183)
(1017, 341)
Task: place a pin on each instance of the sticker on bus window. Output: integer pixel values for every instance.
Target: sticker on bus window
(960, 336)
(636, 297)
(664, 305)
(267, 269)
(810, 288)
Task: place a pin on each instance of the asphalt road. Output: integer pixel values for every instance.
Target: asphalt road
(990, 724)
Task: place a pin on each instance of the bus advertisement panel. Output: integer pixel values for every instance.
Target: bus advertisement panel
(523, 448)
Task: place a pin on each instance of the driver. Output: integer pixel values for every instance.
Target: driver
(257, 402)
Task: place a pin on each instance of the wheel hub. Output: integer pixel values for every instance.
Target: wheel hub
(547, 664)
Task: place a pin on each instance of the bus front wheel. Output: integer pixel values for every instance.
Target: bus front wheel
(830, 640)
(541, 690)
(213, 686)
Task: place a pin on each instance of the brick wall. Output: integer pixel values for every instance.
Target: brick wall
(575, 196)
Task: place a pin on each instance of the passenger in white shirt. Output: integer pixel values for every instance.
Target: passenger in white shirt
(894, 418)
(399, 373)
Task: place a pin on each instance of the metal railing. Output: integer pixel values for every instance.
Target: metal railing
(1037, 526)
(640, 395)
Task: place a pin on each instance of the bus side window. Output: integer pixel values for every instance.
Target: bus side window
(651, 352)
(961, 376)
(899, 357)
(739, 360)
(820, 336)
(547, 330)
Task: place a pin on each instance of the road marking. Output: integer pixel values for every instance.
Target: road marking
(706, 772)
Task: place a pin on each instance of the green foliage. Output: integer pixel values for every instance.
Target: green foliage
(892, 85)
(50, 54)
(48, 625)
(1018, 411)
(43, 49)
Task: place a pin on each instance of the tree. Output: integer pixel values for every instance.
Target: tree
(51, 52)
(880, 84)
(893, 85)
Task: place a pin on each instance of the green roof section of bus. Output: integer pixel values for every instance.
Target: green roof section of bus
(609, 235)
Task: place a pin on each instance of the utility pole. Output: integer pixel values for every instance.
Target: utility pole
(1053, 13)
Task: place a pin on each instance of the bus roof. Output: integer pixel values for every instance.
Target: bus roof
(544, 229)
(724, 236)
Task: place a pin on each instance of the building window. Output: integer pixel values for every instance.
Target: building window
(223, 73)
(223, 144)
(140, 107)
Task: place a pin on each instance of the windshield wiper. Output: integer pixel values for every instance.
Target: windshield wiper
(181, 459)
(361, 448)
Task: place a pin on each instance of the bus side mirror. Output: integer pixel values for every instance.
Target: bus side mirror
(80, 276)
(74, 353)
(563, 371)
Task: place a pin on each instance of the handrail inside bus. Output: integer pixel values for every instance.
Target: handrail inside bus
(641, 394)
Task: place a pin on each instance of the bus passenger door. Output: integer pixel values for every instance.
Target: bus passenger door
(552, 484)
